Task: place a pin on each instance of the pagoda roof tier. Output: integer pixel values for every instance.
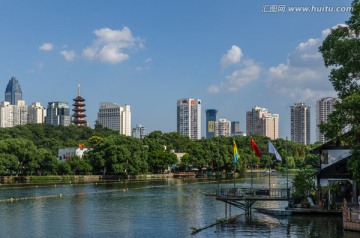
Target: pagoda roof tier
(79, 114)
(79, 109)
(79, 99)
(76, 104)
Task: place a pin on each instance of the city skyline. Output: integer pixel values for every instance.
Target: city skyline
(232, 54)
(225, 130)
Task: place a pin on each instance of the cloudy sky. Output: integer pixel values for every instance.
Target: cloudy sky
(231, 54)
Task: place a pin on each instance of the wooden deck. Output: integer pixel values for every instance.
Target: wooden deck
(244, 198)
(351, 217)
(256, 194)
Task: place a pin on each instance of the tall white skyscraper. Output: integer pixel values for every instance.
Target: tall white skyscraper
(36, 113)
(13, 115)
(115, 117)
(300, 123)
(324, 107)
(222, 127)
(189, 117)
(260, 121)
(6, 114)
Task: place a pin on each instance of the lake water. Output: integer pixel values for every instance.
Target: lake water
(166, 208)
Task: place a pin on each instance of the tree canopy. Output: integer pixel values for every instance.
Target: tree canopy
(341, 53)
(33, 149)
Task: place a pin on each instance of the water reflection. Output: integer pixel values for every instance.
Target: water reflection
(148, 209)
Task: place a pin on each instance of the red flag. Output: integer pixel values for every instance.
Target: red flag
(255, 148)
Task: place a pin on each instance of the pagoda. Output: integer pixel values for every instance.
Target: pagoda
(79, 109)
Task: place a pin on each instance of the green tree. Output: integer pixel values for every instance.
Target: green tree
(341, 52)
(64, 168)
(160, 160)
(47, 161)
(303, 185)
(291, 162)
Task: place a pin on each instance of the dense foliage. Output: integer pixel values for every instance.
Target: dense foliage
(33, 149)
(341, 52)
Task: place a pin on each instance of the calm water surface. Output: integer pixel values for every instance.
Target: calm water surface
(167, 208)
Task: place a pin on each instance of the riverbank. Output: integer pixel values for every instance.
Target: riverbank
(78, 178)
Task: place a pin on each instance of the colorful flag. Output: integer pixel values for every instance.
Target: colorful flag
(272, 150)
(236, 153)
(255, 148)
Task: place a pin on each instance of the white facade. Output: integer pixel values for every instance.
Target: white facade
(115, 117)
(324, 107)
(13, 115)
(6, 114)
(260, 121)
(139, 132)
(67, 153)
(189, 118)
(222, 127)
(300, 123)
(36, 113)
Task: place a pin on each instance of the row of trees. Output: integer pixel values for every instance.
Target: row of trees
(341, 53)
(33, 149)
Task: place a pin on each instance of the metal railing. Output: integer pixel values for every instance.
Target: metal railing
(254, 192)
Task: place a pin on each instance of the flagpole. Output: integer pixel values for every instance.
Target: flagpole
(234, 174)
(251, 173)
(287, 171)
(269, 177)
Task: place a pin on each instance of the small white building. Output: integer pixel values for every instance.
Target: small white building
(67, 153)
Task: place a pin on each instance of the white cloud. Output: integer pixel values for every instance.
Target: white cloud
(110, 45)
(214, 89)
(238, 78)
(146, 65)
(242, 77)
(303, 76)
(46, 47)
(232, 56)
(68, 55)
(37, 68)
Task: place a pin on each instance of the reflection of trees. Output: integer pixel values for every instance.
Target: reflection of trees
(316, 226)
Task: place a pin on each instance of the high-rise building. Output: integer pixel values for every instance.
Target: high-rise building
(300, 123)
(36, 113)
(222, 127)
(115, 117)
(13, 115)
(6, 114)
(260, 121)
(79, 110)
(58, 113)
(139, 132)
(324, 107)
(189, 118)
(13, 91)
(210, 122)
(235, 127)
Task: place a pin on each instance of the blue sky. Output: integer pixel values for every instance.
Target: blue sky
(232, 54)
